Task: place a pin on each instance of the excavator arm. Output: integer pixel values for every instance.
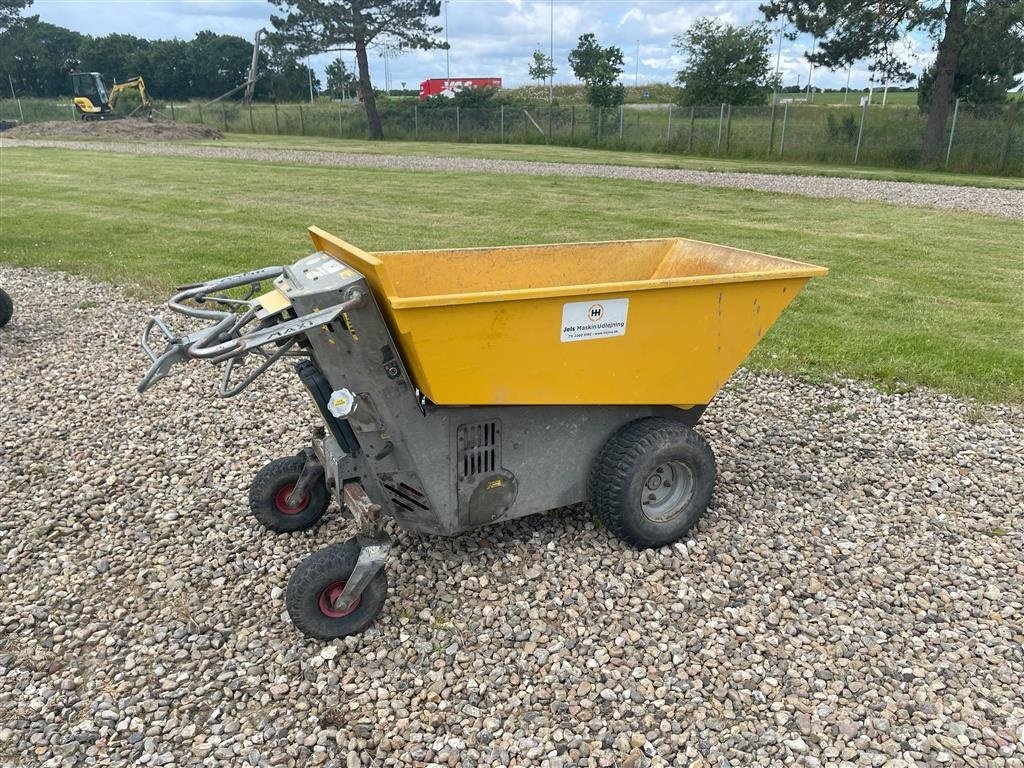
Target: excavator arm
(136, 84)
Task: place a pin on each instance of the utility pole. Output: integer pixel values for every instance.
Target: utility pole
(447, 61)
(846, 93)
(309, 72)
(778, 62)
(551, 52)
(814, 43)
(636, 73)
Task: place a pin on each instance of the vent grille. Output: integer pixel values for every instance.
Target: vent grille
(405, 496)
(478, 449)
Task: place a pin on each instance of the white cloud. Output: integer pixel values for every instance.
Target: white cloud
(488, 37)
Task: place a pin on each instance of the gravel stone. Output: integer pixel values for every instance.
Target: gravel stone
(854, 595)
(1008, 203)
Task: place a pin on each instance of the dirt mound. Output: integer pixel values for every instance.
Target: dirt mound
(125, 129)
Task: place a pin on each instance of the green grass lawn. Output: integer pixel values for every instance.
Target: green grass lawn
(556, 154)
(921, 297)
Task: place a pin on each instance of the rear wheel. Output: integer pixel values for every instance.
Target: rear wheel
(274, 483)
(652, 481)
(318, 581)
(6, 308)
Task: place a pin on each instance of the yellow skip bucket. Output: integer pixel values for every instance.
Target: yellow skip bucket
(648, 322)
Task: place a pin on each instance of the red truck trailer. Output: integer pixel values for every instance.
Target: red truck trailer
(449, 86)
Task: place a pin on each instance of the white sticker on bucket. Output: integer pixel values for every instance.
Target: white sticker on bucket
(599, 319)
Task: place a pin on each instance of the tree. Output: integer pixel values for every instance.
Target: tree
(849, 31)
(340, 81)
(725, 64)
(282, 76)
(599, 69)
(114, 56)
(314, 26)
(542, 67)
(10, 13)
(992, 57)
(39, 56)
(168, 68)
(219, 63)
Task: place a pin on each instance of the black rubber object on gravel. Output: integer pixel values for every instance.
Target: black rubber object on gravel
(626, 462)
(321, 577)
(270, 488)
(6, 308)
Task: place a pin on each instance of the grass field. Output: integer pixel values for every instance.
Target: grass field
(915, 296)
(557, 154)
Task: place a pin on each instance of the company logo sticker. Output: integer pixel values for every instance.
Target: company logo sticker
(582, 320)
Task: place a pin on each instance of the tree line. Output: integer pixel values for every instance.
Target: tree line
(979, 51)
(39, 57)
(979, 54)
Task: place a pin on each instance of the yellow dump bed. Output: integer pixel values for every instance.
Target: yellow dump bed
(653, 322)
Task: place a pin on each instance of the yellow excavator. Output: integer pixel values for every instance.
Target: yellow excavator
(92, 101)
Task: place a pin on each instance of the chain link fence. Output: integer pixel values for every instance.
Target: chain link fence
(985, 140)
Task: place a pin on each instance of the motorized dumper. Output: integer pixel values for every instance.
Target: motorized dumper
(461, 388)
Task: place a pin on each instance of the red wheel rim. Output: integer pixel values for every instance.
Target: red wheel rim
(281, 500)
(329, 594)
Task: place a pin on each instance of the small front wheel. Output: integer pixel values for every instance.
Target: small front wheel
(270, 491)
(652, 481)
(6, 308)
(315, 586)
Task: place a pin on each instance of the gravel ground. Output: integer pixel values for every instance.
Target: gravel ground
(1008, 203)
(853, 596)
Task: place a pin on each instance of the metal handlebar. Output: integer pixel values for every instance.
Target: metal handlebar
(223, 341)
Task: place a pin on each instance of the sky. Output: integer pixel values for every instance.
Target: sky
(488, 38)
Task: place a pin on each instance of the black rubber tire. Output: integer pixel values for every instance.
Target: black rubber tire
(318, 573)
(628, 459)
(267, 487)
(6, 308)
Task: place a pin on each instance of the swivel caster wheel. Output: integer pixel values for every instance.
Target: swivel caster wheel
(6, 308)
(272, 501)
(315, 595)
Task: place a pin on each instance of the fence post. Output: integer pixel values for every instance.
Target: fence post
(1011, 113)
(458, 125)
(526, 127)
(200, 113)
(416, 121)
(341, 127)
(668, 135)
(502, 123)
(782, 138)
(860, 133)
(224, 109)
(728, 129)
(277, 123)
(771, 132)
(952, 130)
(173, 118)
(721, 120)
(302, 122)
(600, 124)
(547, 139)
(689, 141)
(572, 125)
(622, 112)
(252, 124)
